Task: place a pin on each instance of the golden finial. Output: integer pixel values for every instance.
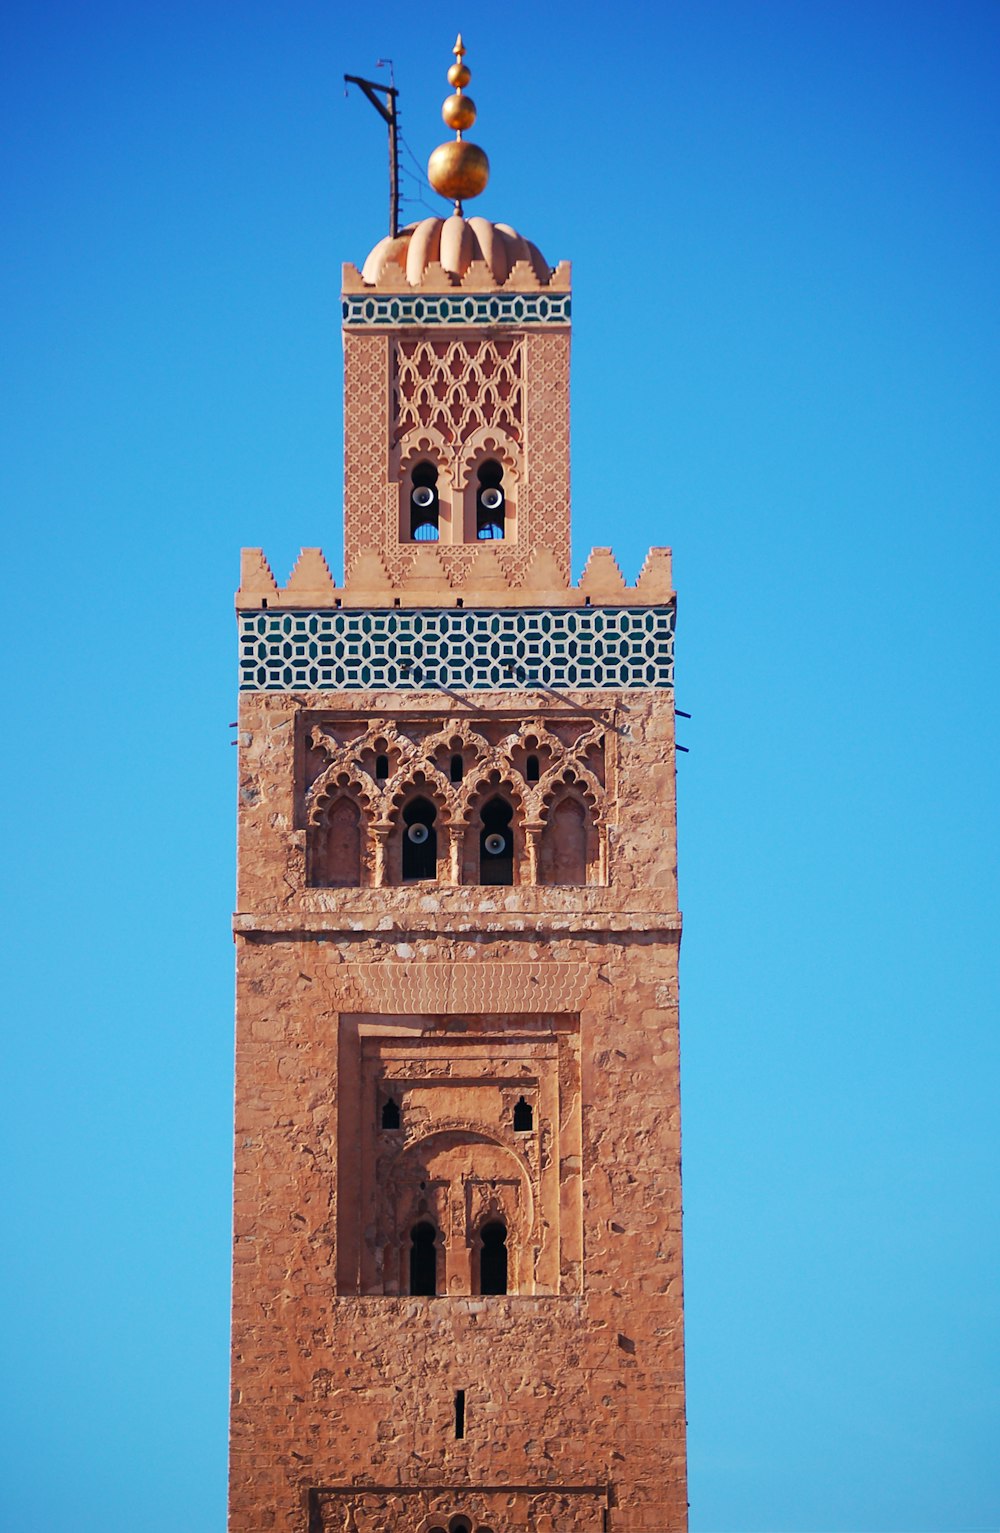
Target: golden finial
(457, 169)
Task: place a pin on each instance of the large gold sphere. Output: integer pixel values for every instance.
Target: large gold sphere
(459, 112)
(458, 170)
(459, 76)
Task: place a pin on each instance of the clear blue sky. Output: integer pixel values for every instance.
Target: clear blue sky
(783, 219)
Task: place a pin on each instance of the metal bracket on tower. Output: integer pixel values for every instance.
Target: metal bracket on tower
(389, 112)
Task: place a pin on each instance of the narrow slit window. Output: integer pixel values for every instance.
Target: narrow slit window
(423, 1260)
(490, 503)
(457, 769)
(493, 1258)
(390, 1113)
(381, 768)
(524, 1117)
(496, 843)
(419, 840)
(460, 1413)
(425, 508)
(531, 773)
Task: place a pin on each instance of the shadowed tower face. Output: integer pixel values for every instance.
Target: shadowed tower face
(457, 1294)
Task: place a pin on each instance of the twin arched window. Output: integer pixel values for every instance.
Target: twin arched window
(426, 520)
(423, 1259)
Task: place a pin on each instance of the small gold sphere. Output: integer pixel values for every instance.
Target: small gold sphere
(459, 76)
(458, 170)
(459, 112)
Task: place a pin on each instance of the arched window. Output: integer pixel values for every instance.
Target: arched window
(423, 1260)
(381, 767)
(496, 843)
(524, 1118)
(425, 506)
(390, 1113)
(490, 501)
(419, 840)
(335, 847)
(493, 1258)
(456, 769)
(562, 857)
(531, 773)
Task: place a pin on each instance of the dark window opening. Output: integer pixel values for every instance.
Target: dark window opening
(381, 767)
(425, 507)
(460, 1413)
(531, 773)
(390, 1114)
(490, 503)
(419, 840)
(493, 1259)
(423, 1260)
(524, 1117)
(496, 843)
(457, 770)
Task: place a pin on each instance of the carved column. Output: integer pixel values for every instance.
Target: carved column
(532, 841)
(454, 853)
(380, 835)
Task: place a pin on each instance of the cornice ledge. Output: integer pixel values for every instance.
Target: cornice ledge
(410, 921)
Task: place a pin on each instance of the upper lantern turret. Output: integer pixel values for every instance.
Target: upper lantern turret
(458, 169)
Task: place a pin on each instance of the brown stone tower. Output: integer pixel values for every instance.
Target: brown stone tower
(457, 1295)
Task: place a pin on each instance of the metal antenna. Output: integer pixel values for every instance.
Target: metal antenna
(389, 113)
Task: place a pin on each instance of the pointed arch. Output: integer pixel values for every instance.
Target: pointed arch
(488, 460)
(562, 854)
(493, 805)
(337, 778)
(335, 844)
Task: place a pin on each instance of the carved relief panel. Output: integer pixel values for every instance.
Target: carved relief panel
(458, 1153)
(489, 800)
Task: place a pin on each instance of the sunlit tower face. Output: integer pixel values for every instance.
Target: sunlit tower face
(457, 1136)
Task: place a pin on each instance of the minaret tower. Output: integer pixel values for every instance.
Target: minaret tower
(457, 1296)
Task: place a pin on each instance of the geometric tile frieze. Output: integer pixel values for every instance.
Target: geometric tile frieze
(388, 309)
(457, 649)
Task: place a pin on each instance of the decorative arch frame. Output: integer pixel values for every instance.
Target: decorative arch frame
(470, 743)
(493, 779)
(487, 1198)
(484, 444)
(416, 445)
(336, 787)
(407, 784)
(577, 784)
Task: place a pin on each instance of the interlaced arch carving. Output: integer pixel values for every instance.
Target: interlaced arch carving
(337, 781)
(458, 386)
(478, 448)
(459, 766)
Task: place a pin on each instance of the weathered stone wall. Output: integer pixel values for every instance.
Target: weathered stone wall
(461, 998)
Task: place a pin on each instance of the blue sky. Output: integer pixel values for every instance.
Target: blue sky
(783, 220)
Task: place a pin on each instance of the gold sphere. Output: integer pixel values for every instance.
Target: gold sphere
(459, 112)
(459, 76)
(458, 170)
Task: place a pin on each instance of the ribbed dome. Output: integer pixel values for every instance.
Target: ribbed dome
(455, 242)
